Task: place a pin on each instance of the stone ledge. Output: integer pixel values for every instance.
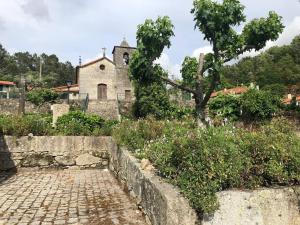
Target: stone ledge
(160, 201)
(54, 151)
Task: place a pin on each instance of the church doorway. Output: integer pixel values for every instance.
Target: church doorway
(102, 92)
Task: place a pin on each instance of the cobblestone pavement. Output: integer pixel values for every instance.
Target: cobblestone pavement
(65, 197)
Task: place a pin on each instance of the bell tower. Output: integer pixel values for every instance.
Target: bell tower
(122, 54)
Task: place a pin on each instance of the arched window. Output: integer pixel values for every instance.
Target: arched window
(102, 92)
(125, 58)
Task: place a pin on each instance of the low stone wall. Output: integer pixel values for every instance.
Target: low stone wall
(58, 151)
(125, 107)
(163, 204)
(160, 201)
(11, 107)
(268, 206)
(105, 109)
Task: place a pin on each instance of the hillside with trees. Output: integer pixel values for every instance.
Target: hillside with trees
(54, 72)
(277, 69)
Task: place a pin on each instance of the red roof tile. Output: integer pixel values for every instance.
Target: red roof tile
(73, 88)
(7, 83)
(235, 91)
(289, 100)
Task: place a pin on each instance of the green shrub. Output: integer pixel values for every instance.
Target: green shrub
(274, 154)
(37, 124)
(225, 106)
(74, 123)
(79, 123)
(259, 105)
(203, 162)
(276, 89)
(40, 96)
(136, 134)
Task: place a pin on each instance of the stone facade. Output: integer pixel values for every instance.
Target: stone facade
(11, 107)
(106, 109)
(58, 151)
(104, 79)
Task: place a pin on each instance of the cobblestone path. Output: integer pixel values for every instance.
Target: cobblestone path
(65, 197)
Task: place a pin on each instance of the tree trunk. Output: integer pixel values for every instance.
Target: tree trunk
(200, 112)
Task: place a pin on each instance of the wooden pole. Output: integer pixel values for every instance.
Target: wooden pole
(22, 96)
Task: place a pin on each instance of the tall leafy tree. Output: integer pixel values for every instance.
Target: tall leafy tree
(150, 91)
(217, 21)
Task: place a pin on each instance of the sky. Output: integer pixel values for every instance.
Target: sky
(73, 28)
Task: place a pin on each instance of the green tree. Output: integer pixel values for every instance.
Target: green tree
(150, 91)
(189, 71)
(277, 65)
(295, 47)
(259, 105)
(225, 106)
(54, 72)
(276, 89)
(217, 22)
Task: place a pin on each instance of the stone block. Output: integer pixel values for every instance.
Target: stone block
(87, 160)
(65, 160)
(59, 110)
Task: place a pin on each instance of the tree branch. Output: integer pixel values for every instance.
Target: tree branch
(180, 86)
(244, 49)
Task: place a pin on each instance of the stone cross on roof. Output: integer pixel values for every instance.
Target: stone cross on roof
(103, 50)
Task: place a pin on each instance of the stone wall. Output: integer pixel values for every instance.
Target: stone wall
(163, 204)
(59, 151)
(11, 107)
(106, 109)
(272, 206)
(160, 201)
(125, 108)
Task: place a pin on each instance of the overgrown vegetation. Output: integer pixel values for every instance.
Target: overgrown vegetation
(254, 105)
(78, 123)
(36, 124)
(41, 96)
(75, 123)
(203, 162)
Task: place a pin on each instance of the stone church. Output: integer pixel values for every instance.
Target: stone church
(104, 79)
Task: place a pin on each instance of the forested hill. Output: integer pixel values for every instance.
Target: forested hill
(277, 68)
(54, 72)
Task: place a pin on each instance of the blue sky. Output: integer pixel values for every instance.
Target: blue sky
(69, 28)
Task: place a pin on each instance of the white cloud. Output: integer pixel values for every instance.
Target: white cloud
(172, 69)
(206, 49)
